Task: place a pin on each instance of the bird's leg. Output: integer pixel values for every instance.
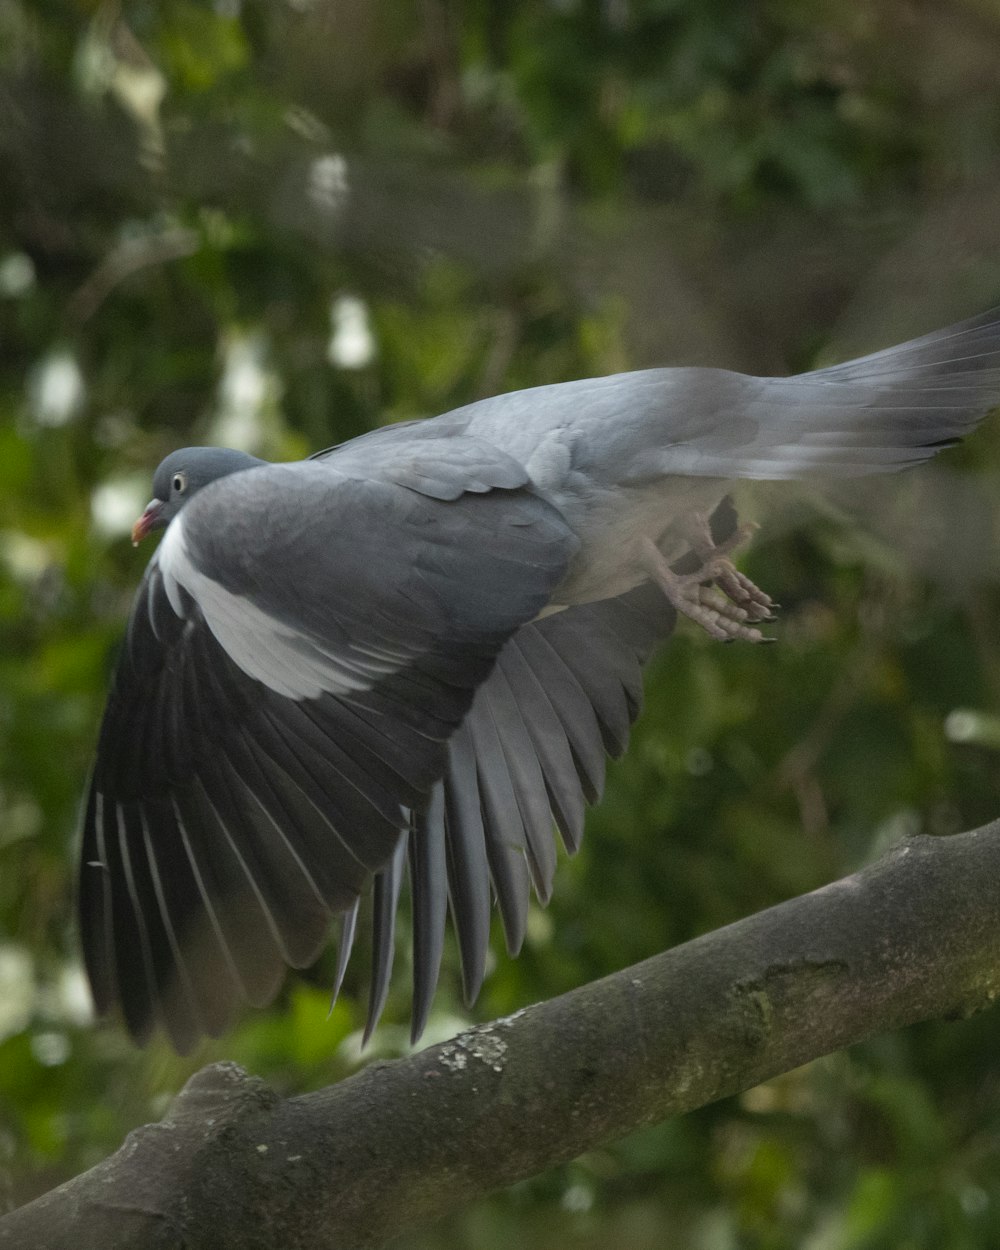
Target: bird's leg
(714, 556)
(696, 594)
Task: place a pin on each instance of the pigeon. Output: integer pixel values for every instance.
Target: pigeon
(411, 654)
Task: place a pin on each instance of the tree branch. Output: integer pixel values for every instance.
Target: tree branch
(399, 1144)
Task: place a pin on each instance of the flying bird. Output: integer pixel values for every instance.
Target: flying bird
(412, 653)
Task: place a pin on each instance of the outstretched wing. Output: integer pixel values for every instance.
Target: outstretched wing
(526, 761)
(301, 649)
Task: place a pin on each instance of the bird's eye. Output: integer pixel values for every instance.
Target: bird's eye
(179, 482)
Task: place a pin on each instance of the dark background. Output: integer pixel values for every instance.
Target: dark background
(275, 225)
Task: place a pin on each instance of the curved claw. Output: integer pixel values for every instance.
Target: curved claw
(717, 596)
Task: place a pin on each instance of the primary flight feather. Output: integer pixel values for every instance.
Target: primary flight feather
(413, 652)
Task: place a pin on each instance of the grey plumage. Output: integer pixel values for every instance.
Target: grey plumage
(413, 653)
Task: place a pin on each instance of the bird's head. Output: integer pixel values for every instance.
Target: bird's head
(180, 476)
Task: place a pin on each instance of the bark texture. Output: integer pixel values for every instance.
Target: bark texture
(915, 936)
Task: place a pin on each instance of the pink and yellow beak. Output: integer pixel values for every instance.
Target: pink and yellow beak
(150, 520)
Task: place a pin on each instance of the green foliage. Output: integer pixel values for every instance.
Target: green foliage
(279, 225)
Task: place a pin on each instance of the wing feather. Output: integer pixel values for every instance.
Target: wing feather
(468, 869)
(429, 890)
(385, 897)
(210, 981)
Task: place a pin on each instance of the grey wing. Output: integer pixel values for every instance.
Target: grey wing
(877, 414)
(276, 716)
(526, 761)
